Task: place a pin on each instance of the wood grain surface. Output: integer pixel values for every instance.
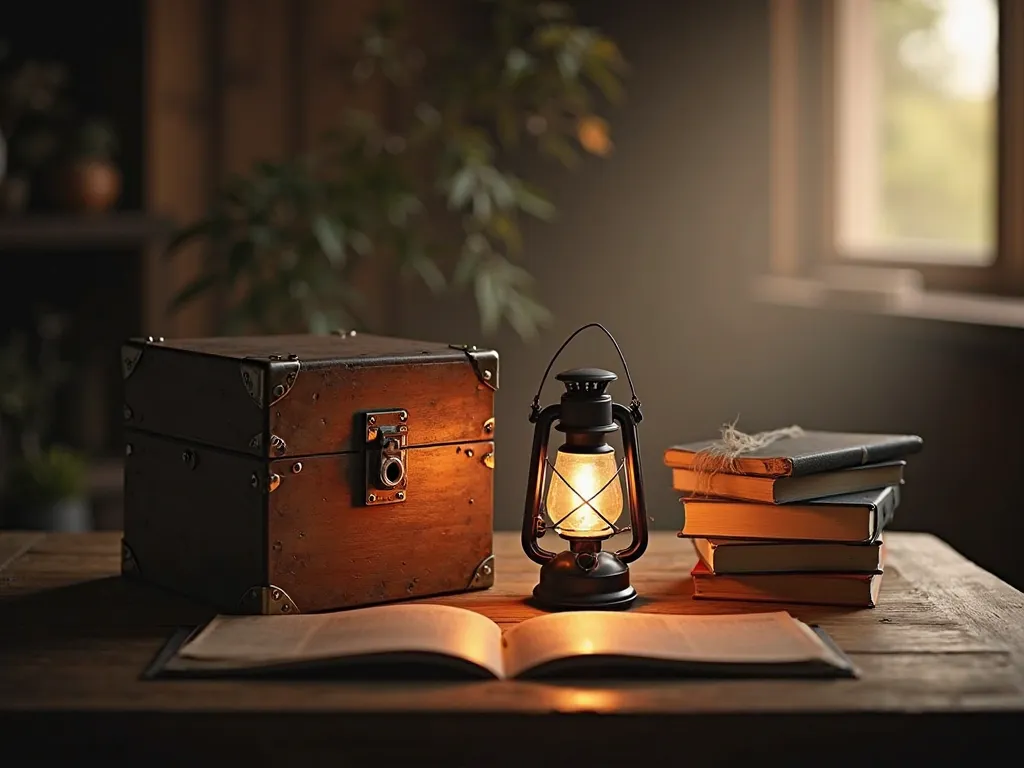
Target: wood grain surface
(941, 658)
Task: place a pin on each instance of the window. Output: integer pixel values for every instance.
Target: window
(898, 138)
(915, 129)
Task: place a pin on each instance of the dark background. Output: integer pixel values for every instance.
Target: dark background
(660, 243)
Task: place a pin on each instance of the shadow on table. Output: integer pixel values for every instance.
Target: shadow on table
(107, 608)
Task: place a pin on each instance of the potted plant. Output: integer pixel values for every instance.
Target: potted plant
(431, 190)
(32, 112)
(44, 485)
(90, 182)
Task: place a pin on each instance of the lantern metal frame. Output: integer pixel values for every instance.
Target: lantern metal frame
(584, 576)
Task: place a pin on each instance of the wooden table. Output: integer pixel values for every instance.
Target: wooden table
(942, 658)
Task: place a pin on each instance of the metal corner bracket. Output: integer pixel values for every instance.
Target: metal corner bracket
(129, 565)
(267, 384)
(484, 362)
(268, 601)
(483, 576)
(130, 355)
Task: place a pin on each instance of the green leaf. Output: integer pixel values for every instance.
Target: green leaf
(526, 315)
(532, 201)
(482, 205)
(560, 149)
(427, 270)
(488, 299)
(194, 290)
(461, 187)
(330, 236)
(203, 228)
(606, 81)
(517, 63)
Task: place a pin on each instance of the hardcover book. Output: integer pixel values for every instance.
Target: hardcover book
(788, 489)
(735, 556)
(406, 639)
(847, 589)
(807, 454)
(850, 518)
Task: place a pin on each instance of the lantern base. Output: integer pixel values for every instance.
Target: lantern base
(584, 581)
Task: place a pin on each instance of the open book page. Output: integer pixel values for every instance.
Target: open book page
(760, 638)
(267, 640)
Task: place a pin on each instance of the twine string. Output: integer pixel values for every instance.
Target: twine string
(722, 454)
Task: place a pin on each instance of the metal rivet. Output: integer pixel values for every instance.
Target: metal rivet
(286, 608)
(469, 452)
(487, 570)
(279, 390)
(296, 467)
(254, 481)
(160, 339)
(400, 495)
(293, 357)
(150, 339)
(373, 419)
(487, 375)
(489, 459)
(189, 458)
(275, 480)
(402, 415)
(371, 497)
(276, 594)
(127, 412)
(128, 449)
(489, 425)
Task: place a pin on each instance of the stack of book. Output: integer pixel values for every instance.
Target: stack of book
(797, 521)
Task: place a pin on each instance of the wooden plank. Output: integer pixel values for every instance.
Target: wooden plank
(13, 544)
(178, 154)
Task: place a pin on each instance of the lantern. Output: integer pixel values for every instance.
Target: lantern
(584, 501)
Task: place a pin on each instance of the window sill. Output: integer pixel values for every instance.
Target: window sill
(960, 308)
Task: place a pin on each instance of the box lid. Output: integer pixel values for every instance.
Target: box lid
(277, 396)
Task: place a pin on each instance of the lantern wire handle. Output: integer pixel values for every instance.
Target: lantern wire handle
(634, 403)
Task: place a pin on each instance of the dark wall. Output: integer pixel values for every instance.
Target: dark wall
(659, 243)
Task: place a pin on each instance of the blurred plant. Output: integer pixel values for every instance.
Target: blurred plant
(51, 477)
(95, 139)
(32, 110)
(288, 236)
(33, 368)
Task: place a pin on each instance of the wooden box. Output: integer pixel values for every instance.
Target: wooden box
(288, 474)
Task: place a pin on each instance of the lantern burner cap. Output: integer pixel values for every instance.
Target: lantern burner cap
(586, 381)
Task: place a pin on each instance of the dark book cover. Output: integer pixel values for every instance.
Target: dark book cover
(807, 454)
(883, 501)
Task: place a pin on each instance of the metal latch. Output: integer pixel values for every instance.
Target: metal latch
(387, 460)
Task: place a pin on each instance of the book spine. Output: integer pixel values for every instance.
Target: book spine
(885, 511)
(854, 456)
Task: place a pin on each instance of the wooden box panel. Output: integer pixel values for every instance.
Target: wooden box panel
(327, 549)
(193, 521)
(275, 396)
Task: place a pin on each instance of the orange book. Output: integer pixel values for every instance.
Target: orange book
(852, 589)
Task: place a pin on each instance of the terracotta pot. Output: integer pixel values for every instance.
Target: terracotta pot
(91, 186)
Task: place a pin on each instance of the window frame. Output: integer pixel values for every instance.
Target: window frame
(804, 105)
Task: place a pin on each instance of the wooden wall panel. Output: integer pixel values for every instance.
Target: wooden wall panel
(330, 33)
(178, 151)
(253, 102)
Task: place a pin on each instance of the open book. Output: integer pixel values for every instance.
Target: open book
(456, 640)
